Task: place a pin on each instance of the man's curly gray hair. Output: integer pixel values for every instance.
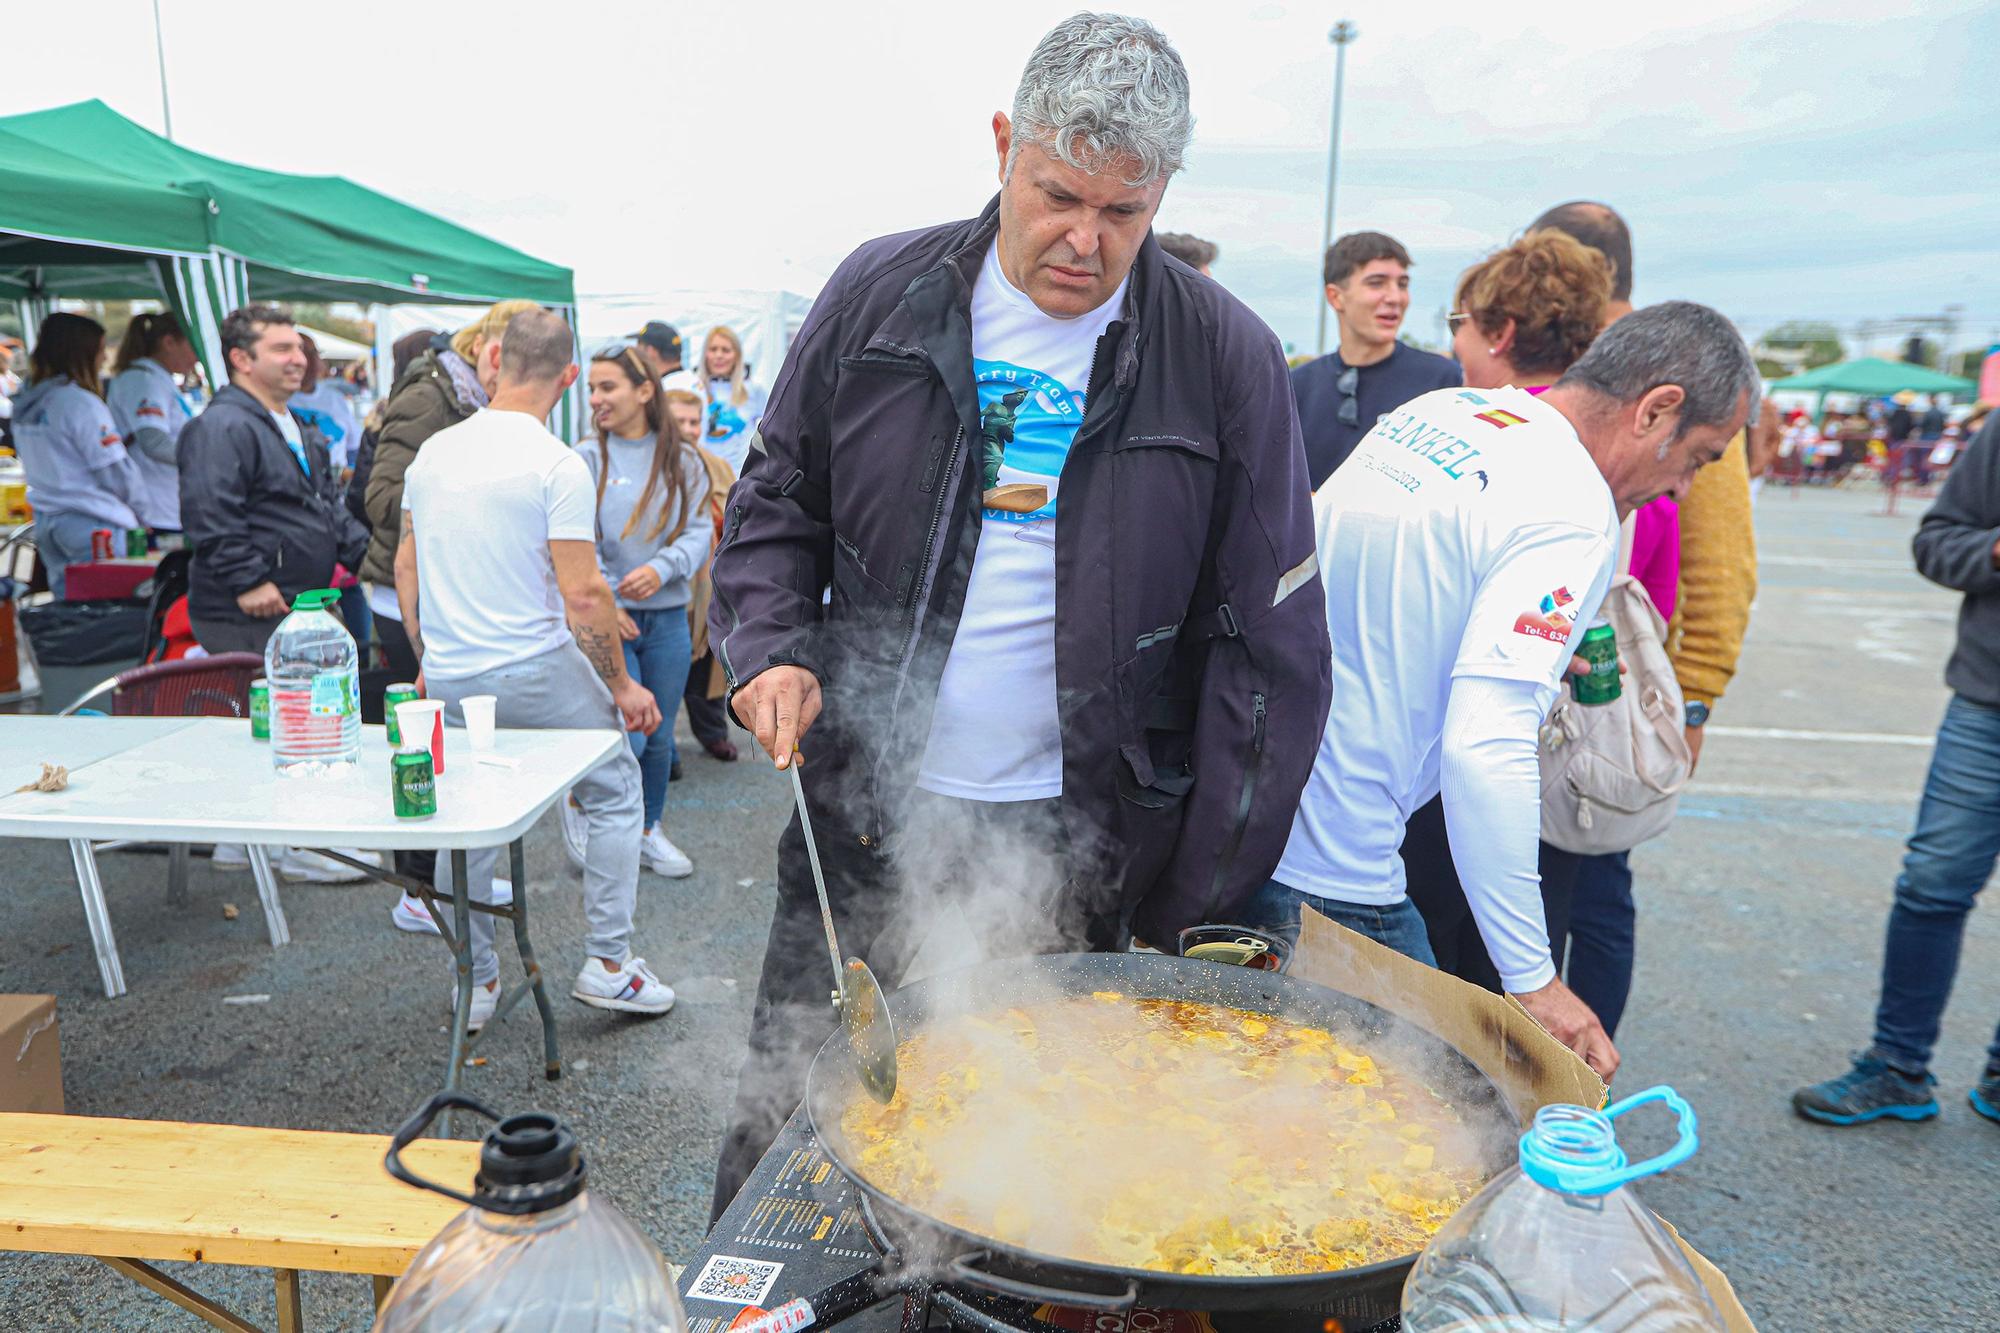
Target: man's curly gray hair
(1102, 89)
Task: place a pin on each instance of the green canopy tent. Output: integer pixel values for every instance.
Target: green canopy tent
(93, 206)
(1872, 377)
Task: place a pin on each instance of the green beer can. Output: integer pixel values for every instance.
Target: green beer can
(260, 710)
(396, 694)
(414, 784)
(1600, 649)
(135, 543)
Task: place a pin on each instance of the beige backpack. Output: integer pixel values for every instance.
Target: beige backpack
(1612, 773)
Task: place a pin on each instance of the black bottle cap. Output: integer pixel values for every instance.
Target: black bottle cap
(528, 1164)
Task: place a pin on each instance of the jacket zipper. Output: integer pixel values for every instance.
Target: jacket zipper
(1249, 797)
(730, 529)
(929, 570)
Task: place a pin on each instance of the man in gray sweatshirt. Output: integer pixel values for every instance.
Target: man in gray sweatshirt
(1957, 839)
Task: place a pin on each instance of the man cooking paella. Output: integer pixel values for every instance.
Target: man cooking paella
(1023, 565)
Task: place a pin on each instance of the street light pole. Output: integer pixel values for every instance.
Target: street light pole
(1343, 33)
(160, 46)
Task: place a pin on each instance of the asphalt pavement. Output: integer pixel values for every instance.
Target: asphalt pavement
(1761, 919)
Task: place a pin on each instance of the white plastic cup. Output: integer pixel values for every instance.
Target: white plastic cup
(417, 720)
(478, 710)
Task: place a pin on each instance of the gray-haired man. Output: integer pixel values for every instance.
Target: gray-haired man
(1102, 719)
(1466, 545)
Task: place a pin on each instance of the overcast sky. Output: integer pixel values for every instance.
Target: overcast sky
(1831, 160)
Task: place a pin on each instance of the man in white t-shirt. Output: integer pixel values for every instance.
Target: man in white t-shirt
(1465, 547)
(497, 575)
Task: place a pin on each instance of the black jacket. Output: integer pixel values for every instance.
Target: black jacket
(1955, 545)
(251, 514)
(1192, 660)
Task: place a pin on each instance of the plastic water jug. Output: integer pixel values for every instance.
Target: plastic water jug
(534, 1251)
(1559, 1243)
(315, 675)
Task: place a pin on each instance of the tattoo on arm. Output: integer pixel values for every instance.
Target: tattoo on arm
(603, 650)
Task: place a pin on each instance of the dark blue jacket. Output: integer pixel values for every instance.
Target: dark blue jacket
(251, 514)
(1192, 660)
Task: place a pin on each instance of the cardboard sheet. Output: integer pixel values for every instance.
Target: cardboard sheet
(1529, 1067)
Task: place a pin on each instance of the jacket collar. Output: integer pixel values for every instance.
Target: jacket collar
(939, 301)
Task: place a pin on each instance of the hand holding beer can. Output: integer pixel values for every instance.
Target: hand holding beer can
(1599, 648)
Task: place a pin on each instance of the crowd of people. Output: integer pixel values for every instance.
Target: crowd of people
(1039, 542)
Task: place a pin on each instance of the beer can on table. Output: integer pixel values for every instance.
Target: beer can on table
(414, 784)
(260, 709)
(1600, 649)
(401, 693)
(101, 547)
(135, 543)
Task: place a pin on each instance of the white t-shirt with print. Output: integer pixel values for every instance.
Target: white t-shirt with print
(1468, 535)
(66, 439)
(487, 496)
(144, 397)
(995, 735)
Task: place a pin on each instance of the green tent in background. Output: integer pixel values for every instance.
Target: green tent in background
(1873, 377)
(93, 206)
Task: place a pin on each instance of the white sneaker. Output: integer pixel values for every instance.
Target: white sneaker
(409, 914)
(575, 832)
(662, 857)
(230, 856)
(632, 989)
(484, 1002)
(300, 865)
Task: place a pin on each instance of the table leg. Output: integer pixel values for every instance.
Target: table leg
(461, 920)
(186, 1297)
(551, 1057)
(267, 894)
(384, 1284)
(98, 915)
(290, 1320)
(177, 875)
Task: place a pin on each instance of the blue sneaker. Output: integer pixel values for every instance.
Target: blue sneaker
(1870, 1091)
(1985, 1095)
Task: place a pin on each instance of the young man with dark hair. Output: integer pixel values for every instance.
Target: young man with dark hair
(259, 500)
(1341, 395)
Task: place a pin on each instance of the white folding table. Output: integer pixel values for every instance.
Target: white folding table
(183, 780)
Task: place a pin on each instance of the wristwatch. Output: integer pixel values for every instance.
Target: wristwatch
(1697, 713)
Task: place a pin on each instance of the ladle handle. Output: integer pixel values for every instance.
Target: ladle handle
(965, 1268)
(819, 876)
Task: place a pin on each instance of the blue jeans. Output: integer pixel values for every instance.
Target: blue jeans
(1950, 858)
(62, 540)
(1602, 930)
(658, 659)
(1275, 908)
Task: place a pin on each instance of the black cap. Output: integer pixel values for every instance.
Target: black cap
(663, 338)
(528, 1164)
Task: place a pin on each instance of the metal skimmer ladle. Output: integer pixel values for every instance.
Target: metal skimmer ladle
(857, 997)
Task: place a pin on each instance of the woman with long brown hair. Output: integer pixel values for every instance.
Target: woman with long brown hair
(79, 477)
(149, 411)
(653, 536)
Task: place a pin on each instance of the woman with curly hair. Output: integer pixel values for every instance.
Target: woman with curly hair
(1524, 315)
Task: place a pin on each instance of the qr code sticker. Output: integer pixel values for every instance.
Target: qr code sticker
(735, 1281)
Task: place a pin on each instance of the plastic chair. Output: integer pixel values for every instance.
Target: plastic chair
(217, 686)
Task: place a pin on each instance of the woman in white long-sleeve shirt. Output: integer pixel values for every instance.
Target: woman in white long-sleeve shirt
(653, 536)
(147, 407)
(79, 477)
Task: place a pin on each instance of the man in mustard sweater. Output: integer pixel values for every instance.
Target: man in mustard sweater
(1718, 583)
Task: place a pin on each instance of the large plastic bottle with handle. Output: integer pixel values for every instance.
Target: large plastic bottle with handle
(314, 671)
(536, 1250)
(1558, 1243)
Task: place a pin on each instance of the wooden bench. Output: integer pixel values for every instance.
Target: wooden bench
(133, 1192)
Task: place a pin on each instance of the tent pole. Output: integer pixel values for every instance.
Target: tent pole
(160, 48)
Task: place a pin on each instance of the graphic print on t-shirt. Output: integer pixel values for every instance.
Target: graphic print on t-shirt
(1027, 420)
